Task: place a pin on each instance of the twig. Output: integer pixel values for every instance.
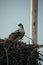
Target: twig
(29, 38)
(6, 50)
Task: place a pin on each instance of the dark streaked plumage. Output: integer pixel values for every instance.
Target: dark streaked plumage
(18, 34)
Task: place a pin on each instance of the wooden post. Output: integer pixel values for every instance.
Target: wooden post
(33, 21)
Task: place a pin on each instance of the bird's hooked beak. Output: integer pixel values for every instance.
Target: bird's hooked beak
(20, 25)
(21, 28)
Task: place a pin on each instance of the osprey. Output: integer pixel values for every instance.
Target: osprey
(18, 34)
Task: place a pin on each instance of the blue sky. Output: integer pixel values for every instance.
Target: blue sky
(13, 12)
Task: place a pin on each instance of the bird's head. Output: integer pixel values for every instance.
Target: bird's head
(21, 28)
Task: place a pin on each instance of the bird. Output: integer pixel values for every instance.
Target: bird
(18, 34)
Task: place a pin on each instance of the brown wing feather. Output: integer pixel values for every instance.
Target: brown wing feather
(14, 35)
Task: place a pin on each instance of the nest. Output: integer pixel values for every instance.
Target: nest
(18, 53)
